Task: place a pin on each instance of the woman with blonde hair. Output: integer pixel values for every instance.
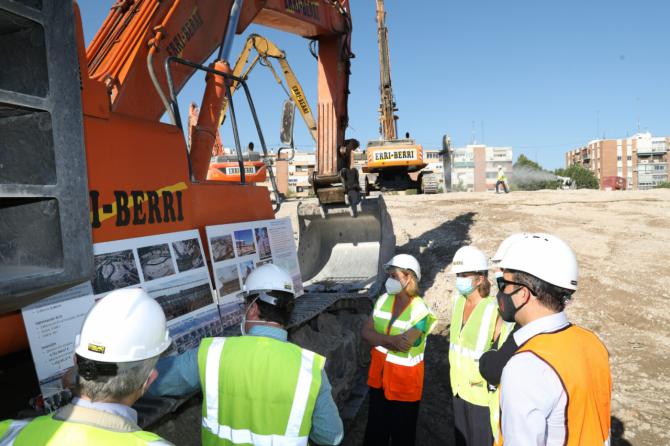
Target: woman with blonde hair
(474, 326)
(397, 331)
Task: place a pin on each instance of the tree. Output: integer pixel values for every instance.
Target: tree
(663, 185)
(523, 160)
(584, 178)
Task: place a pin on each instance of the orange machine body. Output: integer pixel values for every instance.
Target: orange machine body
(139, 169)
(229, 171)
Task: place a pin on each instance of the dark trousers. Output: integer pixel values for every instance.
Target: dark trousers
(504, 185)
(390, 422)
(472, 425)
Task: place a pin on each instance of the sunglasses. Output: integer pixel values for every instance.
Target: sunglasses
(502, 283)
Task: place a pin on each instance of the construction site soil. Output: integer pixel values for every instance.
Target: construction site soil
(622, 241)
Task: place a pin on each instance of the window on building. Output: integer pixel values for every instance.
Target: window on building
(618, 158)
(629, 157)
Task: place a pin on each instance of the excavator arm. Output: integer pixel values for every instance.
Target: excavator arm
(129, 54)
(265, 51)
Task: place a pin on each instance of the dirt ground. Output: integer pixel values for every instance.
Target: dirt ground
(622, 241)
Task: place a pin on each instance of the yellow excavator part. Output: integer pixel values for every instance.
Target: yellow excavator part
(266, 50)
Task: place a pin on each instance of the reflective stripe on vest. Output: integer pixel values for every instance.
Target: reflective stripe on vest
(400, 374)
(12, 428)
(494, 397)
(581, 362)
(467, 343)
(47, 430)
(221, 425)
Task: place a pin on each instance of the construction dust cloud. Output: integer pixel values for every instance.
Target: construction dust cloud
(526, 175)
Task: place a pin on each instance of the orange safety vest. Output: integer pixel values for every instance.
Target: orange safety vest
(581, 362)
(400, 374)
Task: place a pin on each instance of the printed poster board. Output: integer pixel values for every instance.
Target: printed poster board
(52, 325)
(172, 269)
(237, 249)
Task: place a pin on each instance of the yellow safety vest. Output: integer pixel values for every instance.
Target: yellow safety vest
(49, 430)
(467, 343)
(400, 374)
(266, 397)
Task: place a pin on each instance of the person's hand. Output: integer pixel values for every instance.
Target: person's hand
(400, 343)
(69, 379)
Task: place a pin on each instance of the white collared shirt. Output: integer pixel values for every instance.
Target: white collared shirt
(119, 409)
(532, 399)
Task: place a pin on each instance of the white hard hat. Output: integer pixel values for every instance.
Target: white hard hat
(504, 246)
(405, 261)
(469, 259)
(126, 325)
(544, 256)
(267, 278)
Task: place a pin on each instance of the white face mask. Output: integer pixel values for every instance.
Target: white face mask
(393, 286)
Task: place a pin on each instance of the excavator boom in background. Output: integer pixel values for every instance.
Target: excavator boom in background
(223, 166)
(392, 163)
(82, 134)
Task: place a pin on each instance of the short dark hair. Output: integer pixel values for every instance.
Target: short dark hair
(279, 313)
(550, 296)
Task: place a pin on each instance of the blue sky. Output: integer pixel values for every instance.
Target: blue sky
(542, 77)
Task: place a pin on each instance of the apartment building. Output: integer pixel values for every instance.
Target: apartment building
(642, 159)
(475, 167)
(293, 176)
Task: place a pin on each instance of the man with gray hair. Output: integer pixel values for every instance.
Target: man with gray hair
(116, 352)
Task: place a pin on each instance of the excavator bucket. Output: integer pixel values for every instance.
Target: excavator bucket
(342, 254)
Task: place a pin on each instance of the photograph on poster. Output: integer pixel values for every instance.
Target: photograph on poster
(263, 243)
(187, 333)
(222, 248)
(245, 269)
(114, 270)
(156, 261)
(177, 302)
(244, 241)
(188, 254)
(229, 279)
(232, 313)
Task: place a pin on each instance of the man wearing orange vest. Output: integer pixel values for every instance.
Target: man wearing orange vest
(557, 362)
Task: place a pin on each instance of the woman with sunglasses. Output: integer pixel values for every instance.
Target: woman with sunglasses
(474, 326)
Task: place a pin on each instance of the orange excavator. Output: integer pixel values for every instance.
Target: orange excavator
(224, 166)
(81, 135)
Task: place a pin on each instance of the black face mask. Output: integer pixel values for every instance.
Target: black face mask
(506, 305)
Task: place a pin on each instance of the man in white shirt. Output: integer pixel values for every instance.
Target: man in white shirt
(556, 362)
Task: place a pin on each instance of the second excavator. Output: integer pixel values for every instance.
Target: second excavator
(392, 163)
